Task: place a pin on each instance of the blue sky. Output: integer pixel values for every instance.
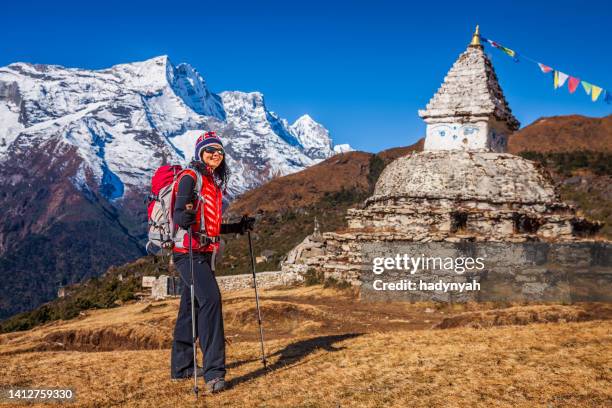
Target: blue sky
(361, 68)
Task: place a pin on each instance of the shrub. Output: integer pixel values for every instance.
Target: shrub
(313, 277)
(335, 283)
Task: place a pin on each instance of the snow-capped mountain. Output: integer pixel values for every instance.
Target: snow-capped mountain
(311, 135)
(127, 120)
(78, 149)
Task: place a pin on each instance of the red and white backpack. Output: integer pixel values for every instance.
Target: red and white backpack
(162, 232)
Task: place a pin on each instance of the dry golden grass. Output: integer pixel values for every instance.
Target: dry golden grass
(341, 353)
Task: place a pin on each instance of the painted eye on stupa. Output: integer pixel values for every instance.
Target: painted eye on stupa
(442, 131)
(469, 130)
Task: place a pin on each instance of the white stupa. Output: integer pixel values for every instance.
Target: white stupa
(464, 187)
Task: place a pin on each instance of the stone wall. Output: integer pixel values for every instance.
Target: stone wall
(511, 272)
(522, 270)
(265, 280)
(439, 220)
(165, 286)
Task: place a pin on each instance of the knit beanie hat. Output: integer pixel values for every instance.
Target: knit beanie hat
(204, 140)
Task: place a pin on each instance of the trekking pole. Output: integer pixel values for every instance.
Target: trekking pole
(263, 354)
(193, 320)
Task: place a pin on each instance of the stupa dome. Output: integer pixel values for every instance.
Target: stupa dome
(464, 175)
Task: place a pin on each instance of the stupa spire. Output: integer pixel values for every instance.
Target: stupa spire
(476, 36)
(469, 110)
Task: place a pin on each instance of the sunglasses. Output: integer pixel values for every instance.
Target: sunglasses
(212, 150)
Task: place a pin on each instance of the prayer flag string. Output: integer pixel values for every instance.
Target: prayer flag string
(559, 78)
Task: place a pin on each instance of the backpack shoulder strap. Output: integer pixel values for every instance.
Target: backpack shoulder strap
(195, 175)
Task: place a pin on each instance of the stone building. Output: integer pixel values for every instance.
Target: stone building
(463, 187)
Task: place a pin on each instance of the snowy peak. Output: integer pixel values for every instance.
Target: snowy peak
(125, 121)
(342, 148)
(147, 76)
(310, 133)
(315, 139)
(189, 85)
(157, 75)
(238, 103)
(248, 111)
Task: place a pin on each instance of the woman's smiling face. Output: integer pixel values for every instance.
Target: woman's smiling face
(214, 159)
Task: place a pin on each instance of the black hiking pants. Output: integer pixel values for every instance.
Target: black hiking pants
(209, 320)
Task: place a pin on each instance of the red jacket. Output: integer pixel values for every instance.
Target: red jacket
(208, 211)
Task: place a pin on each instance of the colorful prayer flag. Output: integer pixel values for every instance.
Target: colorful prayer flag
(493, 43)
(608, 97)
(545, 69)
(508, 51)
(573, 84)
(559, 79)
(587, 87)
(596, 91)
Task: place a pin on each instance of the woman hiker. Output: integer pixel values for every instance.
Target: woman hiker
(189, 212)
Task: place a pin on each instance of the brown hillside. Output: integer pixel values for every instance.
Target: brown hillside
(346, 171)
(564, 134)
(391, 154)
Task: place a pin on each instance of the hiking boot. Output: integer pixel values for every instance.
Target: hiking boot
(189, 374)
(215, 385)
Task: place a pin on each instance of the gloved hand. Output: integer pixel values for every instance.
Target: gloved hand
(189, 218)
(246, 223)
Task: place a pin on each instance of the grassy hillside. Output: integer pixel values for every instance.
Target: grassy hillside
(116, 286)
